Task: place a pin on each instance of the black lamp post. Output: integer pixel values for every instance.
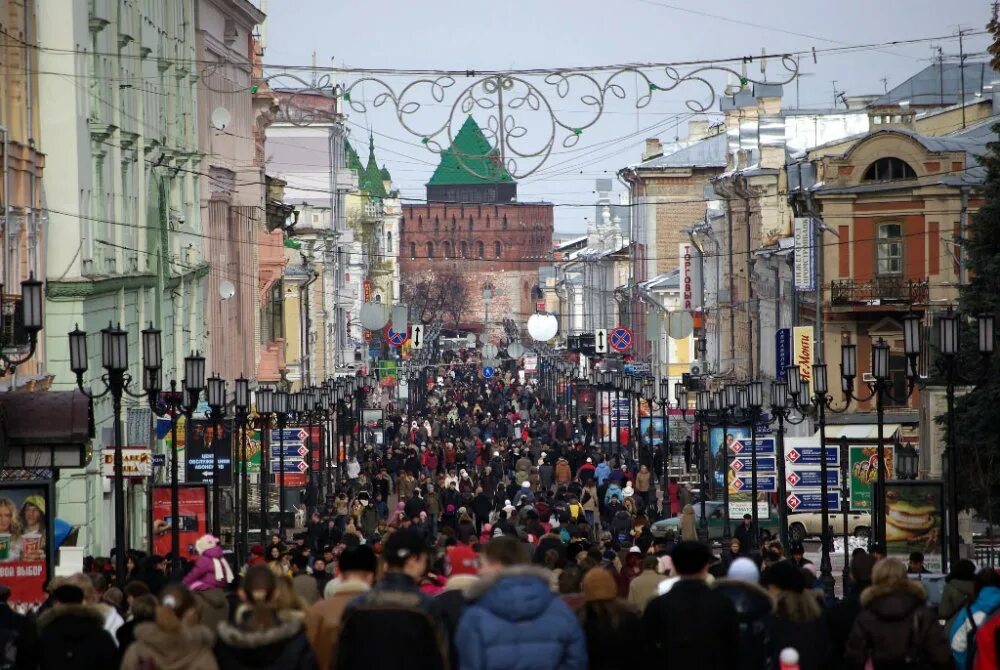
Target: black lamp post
(784, 410)
(32, 302)
(281, 410)
(665, 441)
(751, 400)
(265, 417)
(241, 480)
(173, 404)
(880, 389)
(216, 391)
(114, 360)
(703, 405)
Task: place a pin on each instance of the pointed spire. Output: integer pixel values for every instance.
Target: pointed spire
(479, 164)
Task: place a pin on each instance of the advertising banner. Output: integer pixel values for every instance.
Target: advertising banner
(24, 547)
(137, 462)
(914, 520)
(782, 351)
(192, 514)
(805, 254)
(199, 462)
(802, 355)
(863, 467)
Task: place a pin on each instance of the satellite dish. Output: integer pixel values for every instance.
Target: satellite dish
(226, 289)
(220, 118)
(471, 339)
(489, 350)
(542, 327)
(680, 325)
(374, 315)
(514, 349)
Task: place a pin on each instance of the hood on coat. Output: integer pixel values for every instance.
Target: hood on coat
(522, 593)
(64, 614)
(214, 552)
(285, 629)
(747, 598)
(894, 603)
(175, 650)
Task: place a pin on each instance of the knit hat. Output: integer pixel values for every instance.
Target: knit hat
(590, 460)
(525, 484)
(37, 501)
(206, 542)
(784, 575)
(629, 491)
(257, 550)
(598, 584)
(744, 570)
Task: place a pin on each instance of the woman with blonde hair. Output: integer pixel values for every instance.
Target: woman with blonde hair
(689, 529)
(10, 531)
(174, 639)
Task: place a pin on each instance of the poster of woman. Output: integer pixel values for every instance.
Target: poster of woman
(24, 533)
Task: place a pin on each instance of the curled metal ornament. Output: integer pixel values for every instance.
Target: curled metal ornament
(514, 102)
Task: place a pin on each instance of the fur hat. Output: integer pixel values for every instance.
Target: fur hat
(598, 584)
(206, 542)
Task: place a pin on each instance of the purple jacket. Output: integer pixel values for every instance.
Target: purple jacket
(204, 576)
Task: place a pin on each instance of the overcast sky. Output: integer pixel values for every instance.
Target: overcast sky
(464, 34)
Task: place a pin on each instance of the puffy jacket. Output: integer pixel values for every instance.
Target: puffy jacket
(210, 571)
(602, 472)
(515, 622)
(189, 648)
(892, 623)
(753, 609)
(563, 473)
(986, 604)
(613, 490)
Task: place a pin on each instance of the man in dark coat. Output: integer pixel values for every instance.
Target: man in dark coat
(747, 535)
(18, 637)
(691, 626)
(72, 634)
(840, 618)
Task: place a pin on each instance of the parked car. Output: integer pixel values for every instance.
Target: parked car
(810, 524)
(714, 510)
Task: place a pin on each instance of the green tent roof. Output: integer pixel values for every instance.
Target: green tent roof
(371, 180)
(480, 162)
(385, 173)
(353, 160)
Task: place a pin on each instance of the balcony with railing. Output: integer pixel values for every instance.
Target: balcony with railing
(884, 292)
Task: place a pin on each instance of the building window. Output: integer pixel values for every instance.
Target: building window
(272, 322)
(889, 249)
(889, 169)
(465, 249)
(413, 250)
(430, 250)
(480, 250)
(470, 224)
(446, 249)
(454, 223)
(437, 224)
(388, 241)
(420, 223)
(498, 249)
(487, 220)
(503, 223)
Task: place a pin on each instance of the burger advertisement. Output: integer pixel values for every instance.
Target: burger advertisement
(914, 520)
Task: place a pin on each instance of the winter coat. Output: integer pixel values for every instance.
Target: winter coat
(987, 604)
(689, 528)
(189, 648)
(545, 474)
(957, 594)
(212, 606)
(642, 482)
(893, 622)
(563, 473)
(210, 571)
(613, 490)
(323, 621)
(840, 620)
(369, 520)
(642, 589)
(611, 646)
(792, 625)
(515, 622)
(987, 655)
(691, 626)
(602, 472)
(73, 636)
(753, 610)
(589, 499)
(283, 646)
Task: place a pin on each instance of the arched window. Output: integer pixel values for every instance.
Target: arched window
(480, 249)
(503, 223)
(487, 220)
(498, 249)
(430, 250)
(465, 249)
(437, 224)
(446, 249)
(470, 224)
(420, 223)
(413, 250)
(402, 224)
(454, 223)
(889, 169)
(388, 241)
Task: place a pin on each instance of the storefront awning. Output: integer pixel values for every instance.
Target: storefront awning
(860, 432)
(45, 429)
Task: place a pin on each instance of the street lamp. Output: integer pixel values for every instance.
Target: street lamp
(217, 409)
(282, 407)
(751, 401)
(114, 360)
(265, 416)
(241, 483)
(32, 302)
(784, 410)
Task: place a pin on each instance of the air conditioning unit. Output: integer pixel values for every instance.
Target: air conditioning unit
(868, 378)
(696, 367)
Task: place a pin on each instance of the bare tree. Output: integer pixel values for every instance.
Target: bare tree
(454, 295)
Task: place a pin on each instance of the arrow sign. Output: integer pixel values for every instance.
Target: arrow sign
(812, 479)
(302, 466)
(765, 446)
(288, 435)
(764, 463)
(417, 336)
(292, 450)
(811, 455)
(765, 483)
(812, 502)
(291, 465)
(600, 341)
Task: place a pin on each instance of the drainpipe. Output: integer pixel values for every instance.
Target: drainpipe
(304, 323)
(963, 222)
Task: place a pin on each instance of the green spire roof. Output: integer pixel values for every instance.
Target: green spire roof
(475, 151)
(370, 180)
(353, 160)
(385, 173)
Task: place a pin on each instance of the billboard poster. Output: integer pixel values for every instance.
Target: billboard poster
(678, 427)
(805, 253)
(802, 355)
(199, 464)
(863, 467)
(782, 351)
(25, 526)
(914, 520)
(192, 512)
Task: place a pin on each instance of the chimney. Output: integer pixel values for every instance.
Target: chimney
(697, 130)
(653, 148)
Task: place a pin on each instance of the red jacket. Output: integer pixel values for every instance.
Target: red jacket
(986, 645)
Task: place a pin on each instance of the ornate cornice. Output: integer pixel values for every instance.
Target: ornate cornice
(88, 288)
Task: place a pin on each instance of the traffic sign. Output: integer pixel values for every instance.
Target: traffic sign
(620, 338)
(812, 479)
(764, 463)
(765, 446)
(291, 465)
(290, 435)
(813, 501)
(765, 483)
(811, 455)
(417, 336)
(601, 341)
(488, 372)
(302, 466)
(293, 450)
(395, 338)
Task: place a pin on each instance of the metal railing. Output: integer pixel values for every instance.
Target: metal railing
(879, 291)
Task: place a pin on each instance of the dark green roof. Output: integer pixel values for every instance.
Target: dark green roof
(385, 173)
(480, 162)
(353, 160)
(371, 180)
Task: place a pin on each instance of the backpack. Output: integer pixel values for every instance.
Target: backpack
(970, 636)
(913, 659)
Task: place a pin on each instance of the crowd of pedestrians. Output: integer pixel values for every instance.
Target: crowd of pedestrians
(490, 532)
